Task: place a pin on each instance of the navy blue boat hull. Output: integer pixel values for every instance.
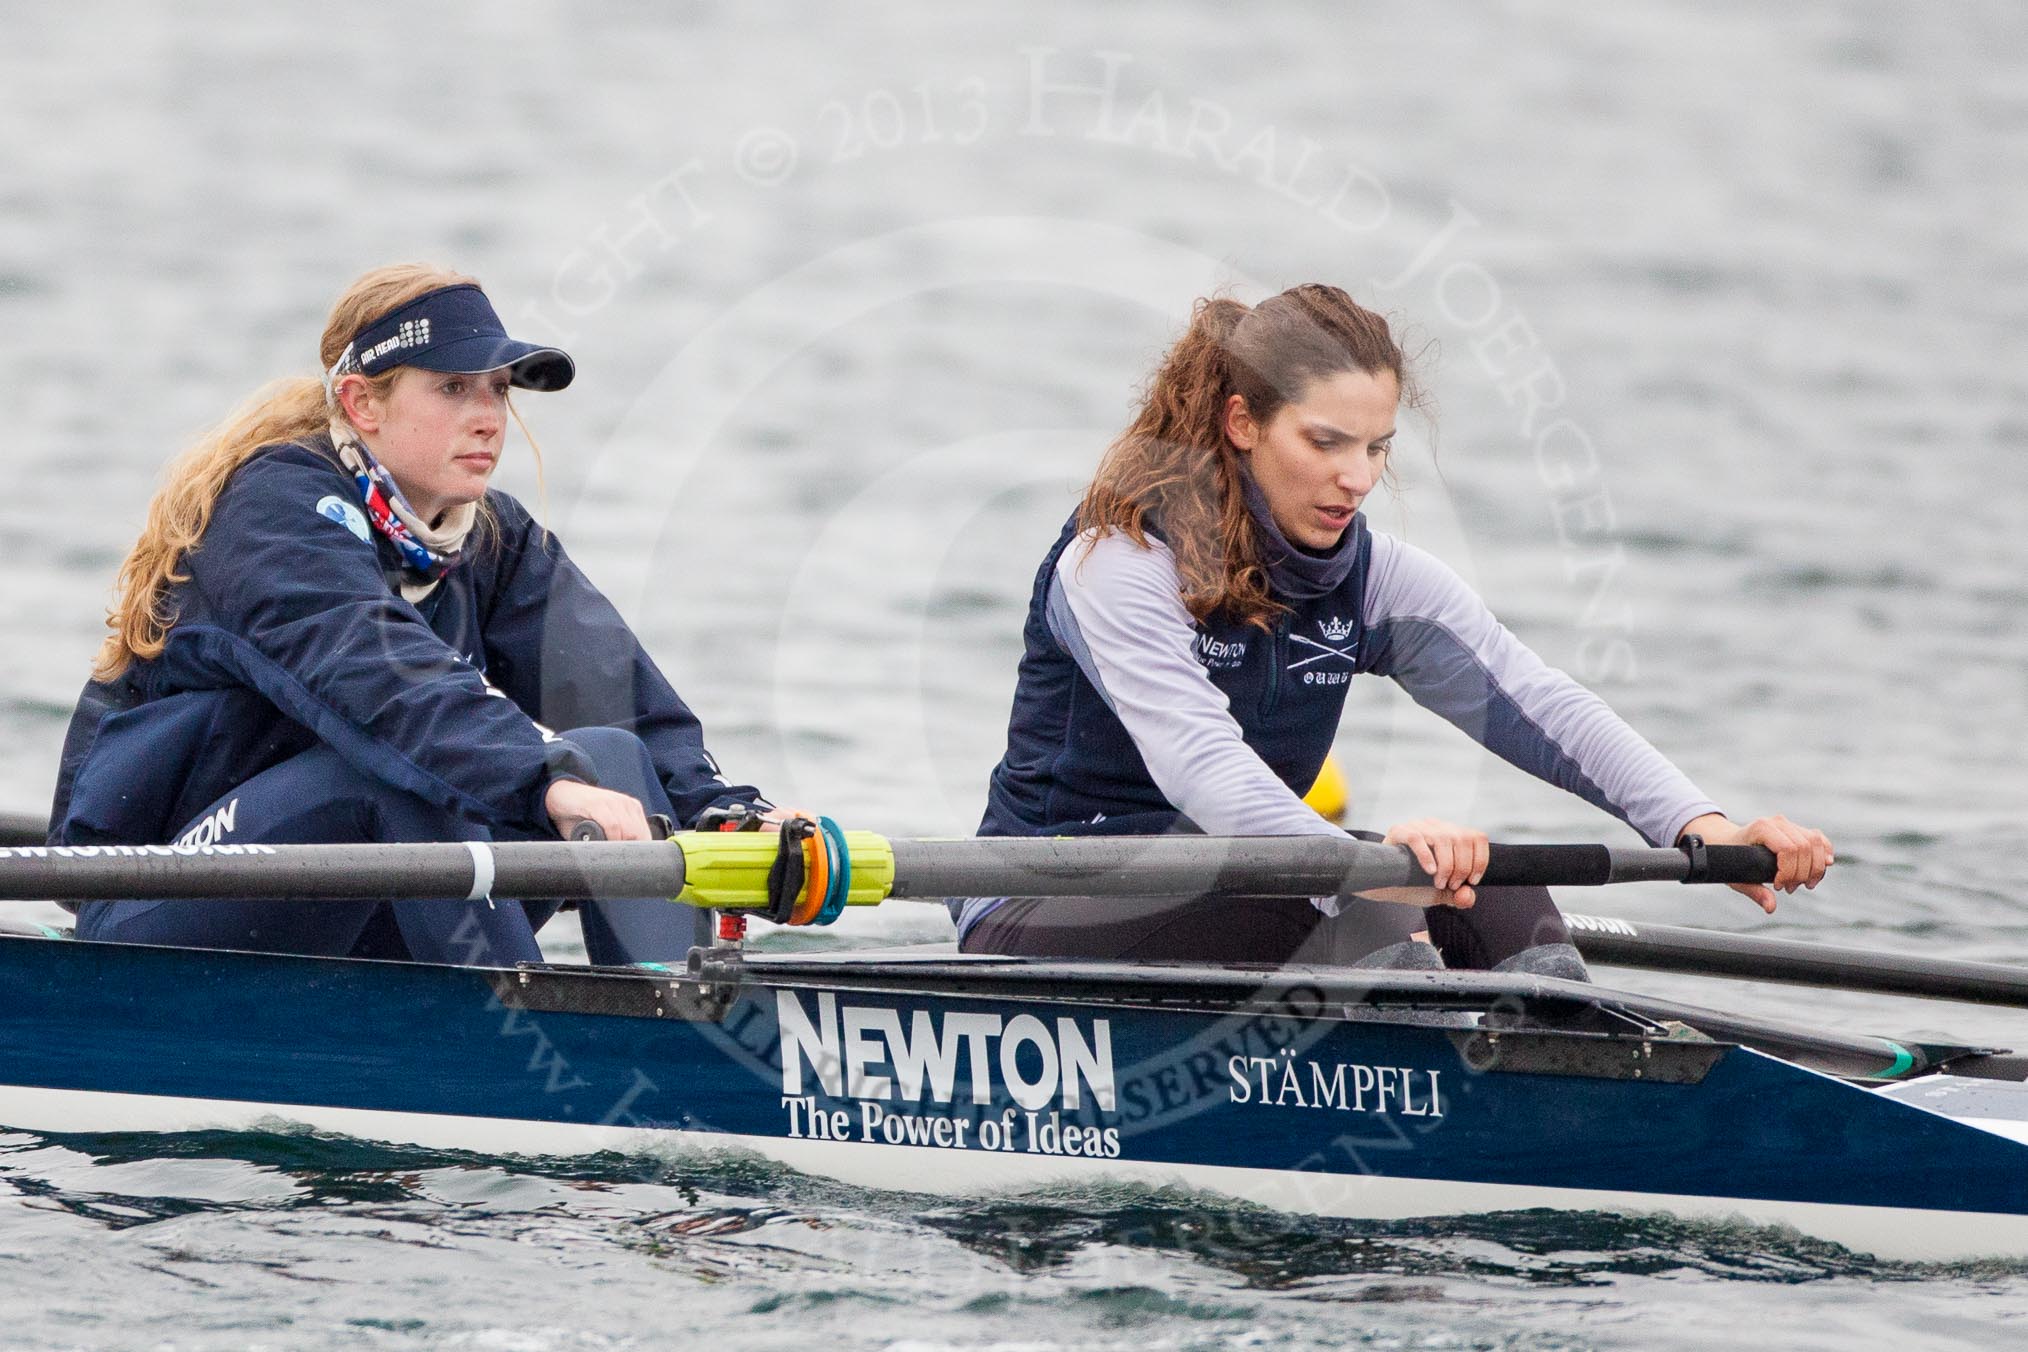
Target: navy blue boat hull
(1301, 1109)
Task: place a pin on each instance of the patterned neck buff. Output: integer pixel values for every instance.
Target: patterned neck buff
(427, 551)
(1294, 574)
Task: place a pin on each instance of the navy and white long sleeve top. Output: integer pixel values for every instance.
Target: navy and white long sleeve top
(1131, 717)
(292, 630)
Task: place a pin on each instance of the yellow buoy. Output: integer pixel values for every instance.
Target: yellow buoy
(1328, 796)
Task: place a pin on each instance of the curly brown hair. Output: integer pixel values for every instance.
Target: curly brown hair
(1174, 461)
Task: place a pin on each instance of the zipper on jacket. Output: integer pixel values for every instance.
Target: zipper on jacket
(1278, 654)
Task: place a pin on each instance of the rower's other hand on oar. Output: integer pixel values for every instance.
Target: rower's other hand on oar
(570, 802)
(1453, 856)
(1802, 855)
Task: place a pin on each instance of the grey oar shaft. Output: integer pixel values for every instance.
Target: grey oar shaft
(22, 828)
(1790, 962)
(533, 870)
(1147, 866)
(1152, 866)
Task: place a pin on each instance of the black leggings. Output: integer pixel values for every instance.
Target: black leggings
(1501, 922)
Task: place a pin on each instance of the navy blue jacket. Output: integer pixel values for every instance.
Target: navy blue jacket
(291, 630)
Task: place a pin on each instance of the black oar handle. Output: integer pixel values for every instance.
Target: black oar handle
(1728, 863)
(1597, 865)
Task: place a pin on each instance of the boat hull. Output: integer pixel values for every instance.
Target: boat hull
(1284, 1104)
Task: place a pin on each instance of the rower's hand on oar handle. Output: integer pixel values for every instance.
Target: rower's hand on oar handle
(1802, 855)
(1454, 857)
(571, 802)
(772, 819)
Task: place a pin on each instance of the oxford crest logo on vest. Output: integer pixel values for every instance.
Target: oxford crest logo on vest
(1306, 653)
(1220, 654)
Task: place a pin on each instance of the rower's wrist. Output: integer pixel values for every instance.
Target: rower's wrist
(556, 782)
(1708, 825)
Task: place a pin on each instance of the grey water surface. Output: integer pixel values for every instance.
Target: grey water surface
(1720, 309)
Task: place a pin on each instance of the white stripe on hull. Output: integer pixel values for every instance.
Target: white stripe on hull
(1904, 1234)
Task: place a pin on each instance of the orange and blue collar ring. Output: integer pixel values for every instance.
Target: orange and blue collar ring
(841, 871)
(811, 875)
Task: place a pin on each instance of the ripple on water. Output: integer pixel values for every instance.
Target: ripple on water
(1822, 577)
(438, 1242)
(126, 1179)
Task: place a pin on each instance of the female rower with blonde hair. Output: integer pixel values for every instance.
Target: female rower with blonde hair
(1189, 642)
(332, 629)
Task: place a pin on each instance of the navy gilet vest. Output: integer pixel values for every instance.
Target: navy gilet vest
(1072, 769)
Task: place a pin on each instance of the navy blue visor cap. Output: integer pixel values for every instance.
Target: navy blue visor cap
(453, 328)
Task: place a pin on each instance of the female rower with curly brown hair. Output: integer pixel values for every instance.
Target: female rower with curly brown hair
(1190, 639)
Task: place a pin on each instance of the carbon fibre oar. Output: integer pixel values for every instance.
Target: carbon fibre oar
(732, 871)
(1791, 962)
(1276, 866)
(22, 828)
